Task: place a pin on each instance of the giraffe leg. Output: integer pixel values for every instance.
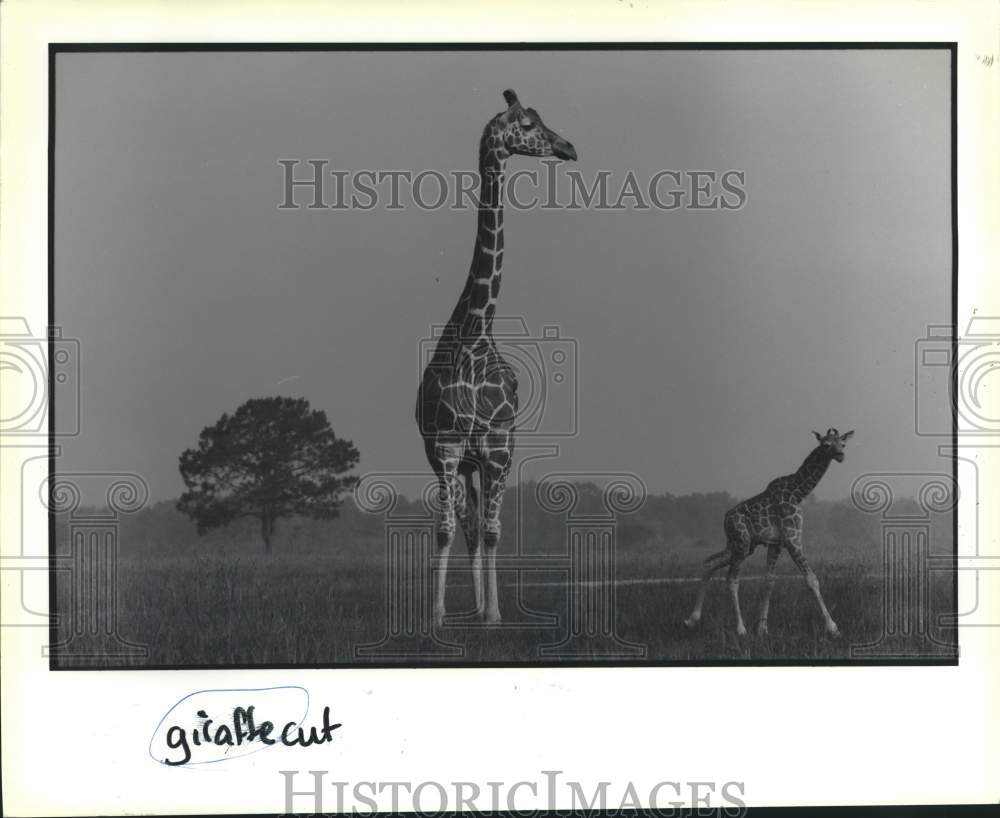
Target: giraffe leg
(796, 553)
(446, 459)
(468, 518)
(713, 564)
(494, 483)
(733, 580)
(773, 552)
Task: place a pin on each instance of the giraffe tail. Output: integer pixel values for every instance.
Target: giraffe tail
(716, 556)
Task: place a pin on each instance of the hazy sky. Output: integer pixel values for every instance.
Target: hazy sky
(709, 343)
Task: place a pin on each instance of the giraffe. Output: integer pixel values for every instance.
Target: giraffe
(773, 518)
(467, 399)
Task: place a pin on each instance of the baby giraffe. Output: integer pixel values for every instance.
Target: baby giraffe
(773, 518)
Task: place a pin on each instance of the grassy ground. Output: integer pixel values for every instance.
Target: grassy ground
(217, 608)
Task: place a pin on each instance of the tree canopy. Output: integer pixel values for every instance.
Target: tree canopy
(272, 458)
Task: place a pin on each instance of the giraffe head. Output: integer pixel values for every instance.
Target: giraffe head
(833, 443)
(523, 132)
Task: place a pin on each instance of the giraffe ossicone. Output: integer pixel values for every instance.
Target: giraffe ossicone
(467, 399)
(773, 518)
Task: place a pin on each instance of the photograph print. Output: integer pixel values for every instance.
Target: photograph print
(434, 356)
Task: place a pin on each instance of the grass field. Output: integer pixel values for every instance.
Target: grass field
(229, 608)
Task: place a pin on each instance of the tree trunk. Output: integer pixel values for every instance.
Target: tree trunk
(266, 529)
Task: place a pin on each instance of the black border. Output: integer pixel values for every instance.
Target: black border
(110, 47)
(986, 810)
(887, 810)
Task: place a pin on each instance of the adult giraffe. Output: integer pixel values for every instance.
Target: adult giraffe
(773, 518)
(467, 401)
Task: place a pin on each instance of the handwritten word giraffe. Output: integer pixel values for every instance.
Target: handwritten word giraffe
(467, 401)
(773, 518)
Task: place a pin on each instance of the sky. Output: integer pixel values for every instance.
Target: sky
(708, 344)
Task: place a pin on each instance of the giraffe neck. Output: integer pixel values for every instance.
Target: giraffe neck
(810, 473)
(473, 315)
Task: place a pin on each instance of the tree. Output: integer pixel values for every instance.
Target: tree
(273, 458)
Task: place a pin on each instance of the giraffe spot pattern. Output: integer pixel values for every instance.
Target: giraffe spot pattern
(480, 295)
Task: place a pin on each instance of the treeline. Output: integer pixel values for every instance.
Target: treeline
(691, 521)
